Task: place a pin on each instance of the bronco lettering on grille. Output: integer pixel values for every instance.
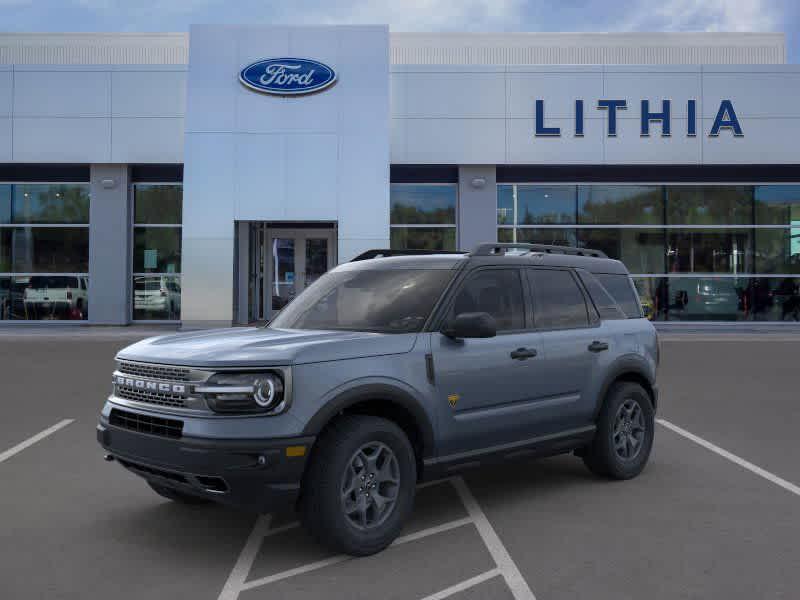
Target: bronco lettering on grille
(152, 386)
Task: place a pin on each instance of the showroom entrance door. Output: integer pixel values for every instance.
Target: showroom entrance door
(283, 262)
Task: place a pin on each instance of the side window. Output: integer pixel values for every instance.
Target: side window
(558, 302)
(606, 306)
(497, 292)
(622, 290)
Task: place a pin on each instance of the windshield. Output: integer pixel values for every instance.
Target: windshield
(385, 301)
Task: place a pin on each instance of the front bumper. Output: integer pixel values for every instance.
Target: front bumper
(256, 475)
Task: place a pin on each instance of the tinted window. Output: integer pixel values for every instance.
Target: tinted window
(160, 204)
(381, 300)
(620, 288)
(606, 305)
(497, 292)
(612, 204)
(557, 300)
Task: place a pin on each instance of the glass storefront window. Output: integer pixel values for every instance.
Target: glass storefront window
(157, 250)
(719, 254)
(44, 249)
(44, 297)
(778, 299)
(505, 205)
(156, 297)
(44, 204)
(423, 204)
(710, 251)
(158, 204)
(708, 299)
(157, 214)
(709, 205)
(777, 205)
(642, 250)
(431, 205)
(423, 238)
(778, 250)
(545, 235)
(43, 263)
(620, 204)
(545, 205)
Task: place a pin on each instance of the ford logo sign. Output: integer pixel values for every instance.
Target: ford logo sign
(287, 76)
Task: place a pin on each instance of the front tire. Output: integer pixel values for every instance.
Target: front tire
(625, 431)
(176, 495)
(360, 485)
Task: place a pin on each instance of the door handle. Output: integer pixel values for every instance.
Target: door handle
(596, 346)
(523, 353)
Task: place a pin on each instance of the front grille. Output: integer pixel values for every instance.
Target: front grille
(154, 371)
(159, 398)
(171, 428)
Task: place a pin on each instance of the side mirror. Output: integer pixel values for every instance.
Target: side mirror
(471, 325)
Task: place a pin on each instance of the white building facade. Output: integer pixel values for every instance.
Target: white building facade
(142, 178)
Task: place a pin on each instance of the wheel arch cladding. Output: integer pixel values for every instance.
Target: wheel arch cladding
(630, 371)
(384, 401)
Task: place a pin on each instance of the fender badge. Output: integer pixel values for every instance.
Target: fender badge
(452, 399)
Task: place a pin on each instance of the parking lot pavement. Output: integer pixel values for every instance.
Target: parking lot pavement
(695, 524)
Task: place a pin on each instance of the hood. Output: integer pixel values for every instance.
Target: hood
(257, 346)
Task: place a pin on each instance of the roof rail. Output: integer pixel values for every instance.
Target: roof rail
(502, 248)
(386, 252)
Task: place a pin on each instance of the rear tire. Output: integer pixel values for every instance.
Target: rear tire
(625, 431)
(176, 495)
(360, 484)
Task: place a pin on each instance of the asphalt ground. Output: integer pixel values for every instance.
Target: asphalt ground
(701, 521)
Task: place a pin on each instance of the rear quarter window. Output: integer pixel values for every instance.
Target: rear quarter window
(607, 307)
(621, 289)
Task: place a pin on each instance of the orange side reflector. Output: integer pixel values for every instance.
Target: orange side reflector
(292, 451)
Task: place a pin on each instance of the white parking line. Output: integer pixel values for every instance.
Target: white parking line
(237, 580)
(506, 565)
(464, 585)
(240, 571)
(33, 439)
(333, 560)
(771, 477)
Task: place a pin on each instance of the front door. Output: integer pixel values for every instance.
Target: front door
(488, 390)
(282, 262)
(294, 259)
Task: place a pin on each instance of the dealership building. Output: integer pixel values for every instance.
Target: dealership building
(208, 177)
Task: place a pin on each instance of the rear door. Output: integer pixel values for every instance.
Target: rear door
(575, 345)
(486, 389)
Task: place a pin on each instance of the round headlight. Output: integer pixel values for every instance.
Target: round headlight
(244, 393)
(264, 392)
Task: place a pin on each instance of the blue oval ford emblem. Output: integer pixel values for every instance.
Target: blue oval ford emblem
(287, 76)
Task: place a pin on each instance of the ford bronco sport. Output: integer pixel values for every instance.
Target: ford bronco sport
(387, 371)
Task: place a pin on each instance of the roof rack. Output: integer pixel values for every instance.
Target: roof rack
(386, 252)
(502, 248)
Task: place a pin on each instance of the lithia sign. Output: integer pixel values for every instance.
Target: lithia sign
(725, 120)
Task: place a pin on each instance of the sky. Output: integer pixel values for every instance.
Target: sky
(414, 15)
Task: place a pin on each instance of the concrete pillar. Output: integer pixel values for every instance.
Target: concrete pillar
(109, 245)
(242, 271)
(477, 206)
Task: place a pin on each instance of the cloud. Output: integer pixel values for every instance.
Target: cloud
(705, 15)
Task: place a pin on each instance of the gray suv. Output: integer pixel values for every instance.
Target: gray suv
(387, 371)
